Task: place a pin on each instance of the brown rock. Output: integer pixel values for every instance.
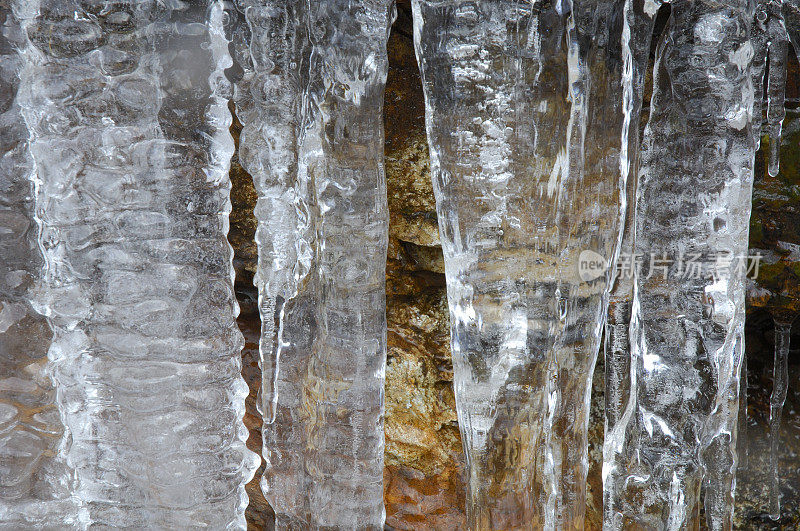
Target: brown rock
(423, 485)
(412, 207)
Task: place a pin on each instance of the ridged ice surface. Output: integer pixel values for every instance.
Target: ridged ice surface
(525, 122)
(310, 99)
(638, 20)
(33, 481)
(125, 104)
(677, 434)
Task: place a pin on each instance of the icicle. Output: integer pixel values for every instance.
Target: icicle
(742, 441)
(776, 84)
(638, 23)
(770, 43)
(693, 209)
(33, 479)
(780, 386)
(760, 39)
(126, 104)
(525, 154)
(310, 101)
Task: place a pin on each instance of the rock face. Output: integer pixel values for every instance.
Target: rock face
(423, 482)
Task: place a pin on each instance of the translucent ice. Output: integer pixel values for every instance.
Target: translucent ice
(780, 385)
(126, 104)
(637, 23)
(310, 99)
(677, 433)
(770, 48)
(33, 481)
(526, 125)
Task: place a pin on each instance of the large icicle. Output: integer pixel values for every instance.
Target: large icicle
(780, 386)
(34, 487)
(311, 102)
(525, 122)
(678, 431)
(126, 103)
(638, 24)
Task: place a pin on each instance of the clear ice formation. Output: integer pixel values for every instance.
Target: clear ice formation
(34, 483)
(527, 124)
(126, 104)
(742, 441)
(769, 38)
(780, 386)
(310, 99)
(770, 45)
(676, 435)
(638, 21)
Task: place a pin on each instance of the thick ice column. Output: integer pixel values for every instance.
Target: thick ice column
(677, 434)
(126, 104)
(310, 100)
(638, 24)
(525, 123)
(34, 483)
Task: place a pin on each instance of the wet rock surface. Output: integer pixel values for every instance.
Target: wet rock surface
(423, 481)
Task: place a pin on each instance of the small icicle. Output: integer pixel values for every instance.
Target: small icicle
(742, 441)
(776, 82)
(783, 331)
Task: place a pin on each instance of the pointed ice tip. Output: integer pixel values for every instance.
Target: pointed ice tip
(774, 169)
(774, 160)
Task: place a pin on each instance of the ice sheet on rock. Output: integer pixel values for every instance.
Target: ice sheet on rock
(525, 122)
(677, 435)
(33, 480)
(126, 104)
(310, 100)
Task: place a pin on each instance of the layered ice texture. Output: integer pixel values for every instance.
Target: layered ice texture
(310, 98)
(675, 435)
(34, 483)
(528, 128)
(127, 112)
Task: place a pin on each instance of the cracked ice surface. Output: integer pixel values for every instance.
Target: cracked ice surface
(126, 104)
